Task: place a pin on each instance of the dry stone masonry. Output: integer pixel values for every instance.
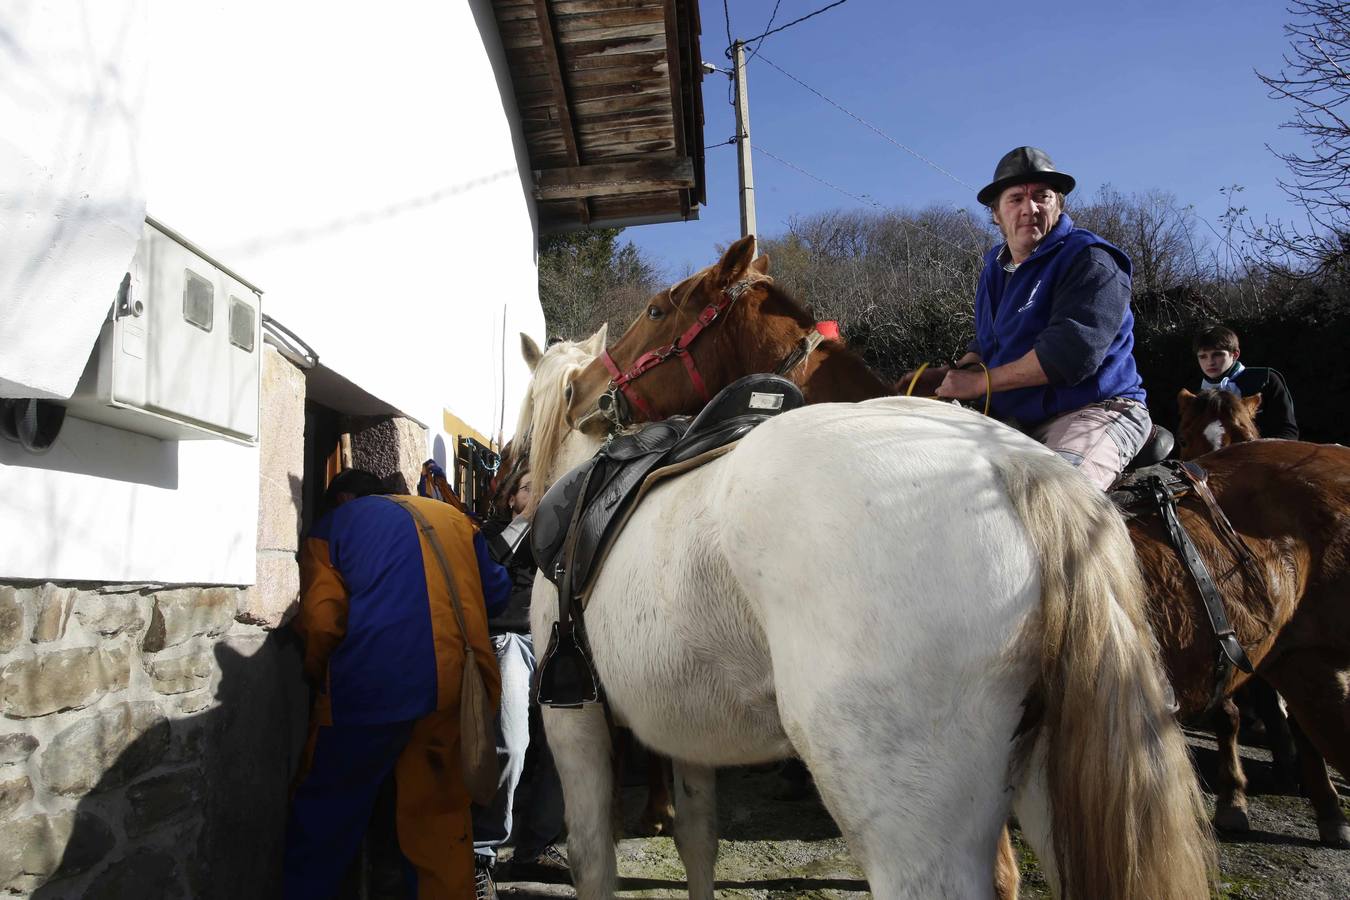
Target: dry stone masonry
(146, 736)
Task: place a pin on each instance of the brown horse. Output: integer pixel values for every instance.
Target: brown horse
(1289, 502)
(1211, 420)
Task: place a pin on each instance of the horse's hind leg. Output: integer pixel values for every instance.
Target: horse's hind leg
(1311, 681)
(659, 813)
(580, 741)
(696, 826)
(1230, 812)
(1279, 738)
(1331, 825)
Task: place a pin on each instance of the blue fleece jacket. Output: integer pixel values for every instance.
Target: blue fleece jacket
(1070, 302)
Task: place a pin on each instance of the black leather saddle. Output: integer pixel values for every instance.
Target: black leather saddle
(1134, 491)
(582, 513)
(613, 476)
(1156, 449)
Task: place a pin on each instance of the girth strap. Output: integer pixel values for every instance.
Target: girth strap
(1230, 652)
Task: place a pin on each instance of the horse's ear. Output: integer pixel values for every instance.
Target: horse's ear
(760, 265)
(530, 350)
(734, 263)
(1253, 403)
(596, 343)
(1184, 400)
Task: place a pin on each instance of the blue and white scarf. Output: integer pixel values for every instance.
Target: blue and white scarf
(1225, 382)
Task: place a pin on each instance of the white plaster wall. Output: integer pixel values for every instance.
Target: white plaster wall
(71, 199)
(104, 504)
(357, 163)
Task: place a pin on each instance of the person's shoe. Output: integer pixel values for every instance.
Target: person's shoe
(484, 888)
(549, 862)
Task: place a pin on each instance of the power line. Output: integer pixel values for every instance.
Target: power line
(795, 21)
(863, 198)
(773, 15)
(910, 150)
(759, 148)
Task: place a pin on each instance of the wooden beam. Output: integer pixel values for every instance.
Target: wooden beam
(609, 179)
(677, 92)
(553, 65)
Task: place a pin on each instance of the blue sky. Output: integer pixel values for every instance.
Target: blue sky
(1140, 95)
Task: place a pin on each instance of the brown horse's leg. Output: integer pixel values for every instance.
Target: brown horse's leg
(1230, 813)
(1331, 825)
(1311, 682)
(1278, 737)
(1007, 878)
(659, 814)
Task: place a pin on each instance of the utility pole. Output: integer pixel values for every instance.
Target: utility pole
(743, 144)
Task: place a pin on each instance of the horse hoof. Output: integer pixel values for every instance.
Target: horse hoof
(655, 824)
(1232, 819)
(1334, 834)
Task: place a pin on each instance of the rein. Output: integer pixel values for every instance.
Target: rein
(621, 382)
(988, 384)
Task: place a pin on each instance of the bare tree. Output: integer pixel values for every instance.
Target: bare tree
(1316, 80)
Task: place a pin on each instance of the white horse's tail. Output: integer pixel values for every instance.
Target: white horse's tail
(1126, 820)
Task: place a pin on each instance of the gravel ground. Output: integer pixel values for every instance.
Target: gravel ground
(775, 848)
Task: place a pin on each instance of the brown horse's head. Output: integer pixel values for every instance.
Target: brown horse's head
(719, 354)
(1214, 419)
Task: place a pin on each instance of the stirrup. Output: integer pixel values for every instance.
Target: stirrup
(566, 678)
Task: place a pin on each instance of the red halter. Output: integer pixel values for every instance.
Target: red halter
(623, 381)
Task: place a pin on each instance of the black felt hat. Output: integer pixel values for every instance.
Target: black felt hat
(1023, 166)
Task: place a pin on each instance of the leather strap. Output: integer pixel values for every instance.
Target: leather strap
(805, 347)
(622, 381)
(426, 528)
(1230, 652)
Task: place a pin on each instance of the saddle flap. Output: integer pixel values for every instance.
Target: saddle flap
(553, 515)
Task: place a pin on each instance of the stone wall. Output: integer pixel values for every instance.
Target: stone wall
(148, 733)
(147, 741)
(393, 448)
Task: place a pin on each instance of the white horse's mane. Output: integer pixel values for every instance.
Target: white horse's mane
(543, 426)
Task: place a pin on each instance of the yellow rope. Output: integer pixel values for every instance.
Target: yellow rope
(915, 380)
(988, 384)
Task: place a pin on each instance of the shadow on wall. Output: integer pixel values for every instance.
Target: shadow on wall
(201, 800)
(88, 448)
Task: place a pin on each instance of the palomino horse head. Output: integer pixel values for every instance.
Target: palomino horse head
(688, 342)
(542, 426)
(1214, 419)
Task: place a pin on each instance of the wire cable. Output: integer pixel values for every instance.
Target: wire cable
(910, 150)
(773, 15)
(863, 198)
(796, 21)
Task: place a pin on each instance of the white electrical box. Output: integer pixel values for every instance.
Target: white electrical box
(180, 356)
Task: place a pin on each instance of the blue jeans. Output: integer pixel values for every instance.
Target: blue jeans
(529, 813)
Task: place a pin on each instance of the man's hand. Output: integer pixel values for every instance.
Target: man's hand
(927, 383)
(963, 384)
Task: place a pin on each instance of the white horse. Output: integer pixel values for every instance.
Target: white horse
(937, 614)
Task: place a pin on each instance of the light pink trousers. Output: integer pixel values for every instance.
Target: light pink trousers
(1099, 439)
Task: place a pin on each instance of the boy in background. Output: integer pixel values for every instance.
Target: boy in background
(1217, 350)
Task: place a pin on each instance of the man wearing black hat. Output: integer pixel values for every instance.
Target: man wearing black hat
(1053, 326)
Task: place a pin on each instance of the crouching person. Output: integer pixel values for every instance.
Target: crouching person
(384, 651)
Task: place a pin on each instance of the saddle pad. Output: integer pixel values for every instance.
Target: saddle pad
(613, 479)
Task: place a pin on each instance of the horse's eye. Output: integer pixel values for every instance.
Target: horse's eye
(655, 313)
(567, 394)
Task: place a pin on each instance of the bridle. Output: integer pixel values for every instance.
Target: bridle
(621, 383)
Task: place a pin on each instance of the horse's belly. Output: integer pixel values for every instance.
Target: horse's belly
(684, 664)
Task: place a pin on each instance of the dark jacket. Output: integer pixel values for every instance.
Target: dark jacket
(1275, 418)
(1070, 302)
(515, 617)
